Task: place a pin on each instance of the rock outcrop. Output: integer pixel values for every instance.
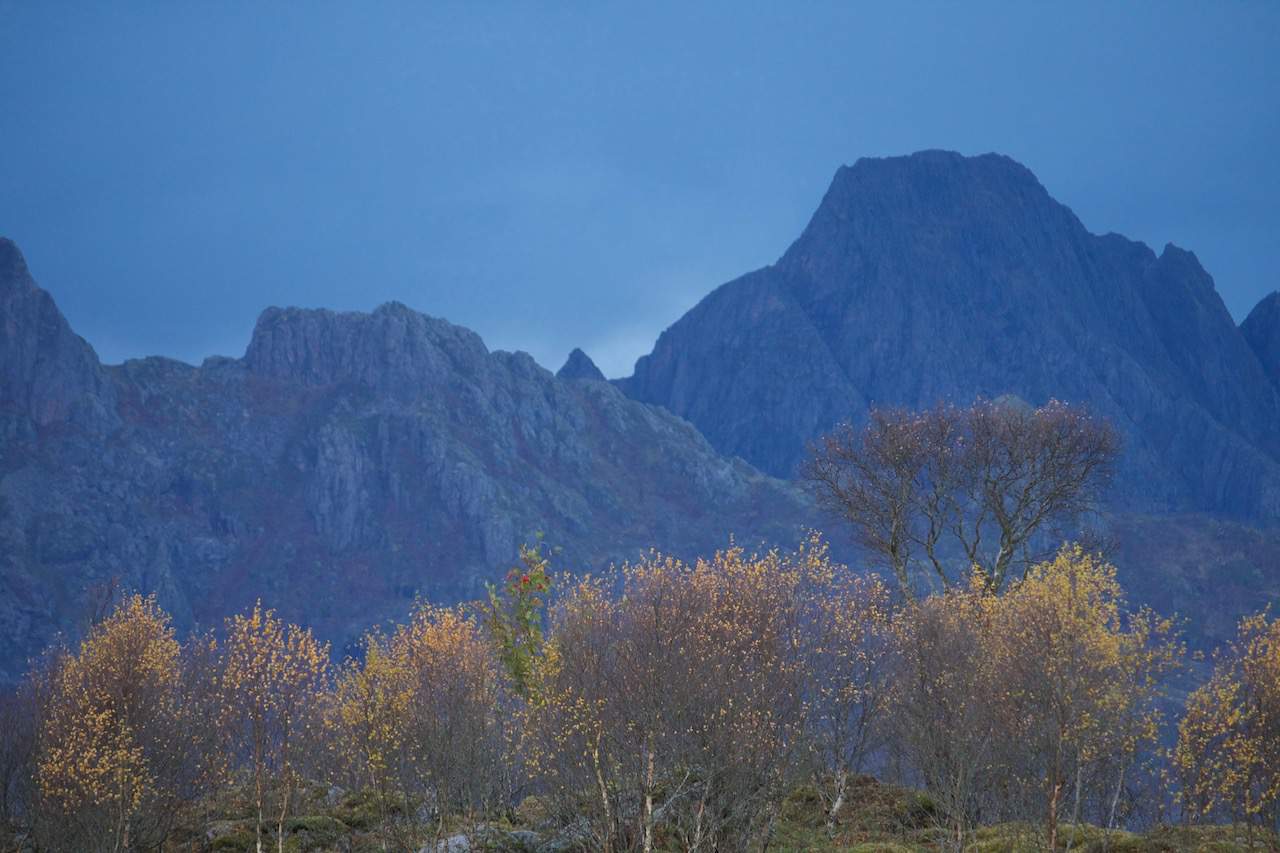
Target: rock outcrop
(937, 277)
(580, 366)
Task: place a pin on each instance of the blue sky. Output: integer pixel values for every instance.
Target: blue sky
(560, 175)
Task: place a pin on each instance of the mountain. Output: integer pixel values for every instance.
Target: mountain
(347, 463)
(579, 366)
(1262, 330)
(937, 277)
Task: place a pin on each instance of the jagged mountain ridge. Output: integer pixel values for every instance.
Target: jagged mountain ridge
(346, 464)
(941, 277)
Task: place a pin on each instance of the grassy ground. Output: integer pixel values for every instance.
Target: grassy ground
(885, 819)
(877, 818)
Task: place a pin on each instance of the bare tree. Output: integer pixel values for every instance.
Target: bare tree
(20, 725)
(950, 490)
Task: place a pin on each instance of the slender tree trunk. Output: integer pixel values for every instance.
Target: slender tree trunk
(257, 788)
(1111, 813)
(604, 797)
(648, 798)
(842, 781)
(121, 822)
(1055, 792)
(1053, 815)
(284, 810)
(1075, 809)
(697, 824)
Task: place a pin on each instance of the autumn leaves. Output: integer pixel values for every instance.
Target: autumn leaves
(661, 705)
(675, 702)
(125, 734)
(1228, 754)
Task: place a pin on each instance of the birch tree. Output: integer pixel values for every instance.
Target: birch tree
(272, 674)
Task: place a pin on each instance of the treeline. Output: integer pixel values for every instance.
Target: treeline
(672, 705)
(663, 705)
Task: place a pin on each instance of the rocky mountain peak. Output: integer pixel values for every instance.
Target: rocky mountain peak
(579, 366)
(930, 186)
(13, 267)
(1261, 329)
(47, 372)
(938, 277)
(394, 347)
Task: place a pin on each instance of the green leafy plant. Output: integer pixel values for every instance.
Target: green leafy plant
(514, 614)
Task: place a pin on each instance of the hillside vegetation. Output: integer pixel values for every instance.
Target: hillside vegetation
(733, 703)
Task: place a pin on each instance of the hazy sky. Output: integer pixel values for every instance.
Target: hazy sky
(560, 175)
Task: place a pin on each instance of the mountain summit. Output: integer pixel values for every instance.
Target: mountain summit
(938, 277)
(579, 366)
(46, 370)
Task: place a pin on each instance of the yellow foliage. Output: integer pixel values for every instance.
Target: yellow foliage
(697, 685)
(115, 738)
(1034, 689)
(420, 714)
(1228, 751)
(272, 676)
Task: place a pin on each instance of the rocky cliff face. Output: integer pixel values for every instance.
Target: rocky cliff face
(47, 372)
(940, 277)
(1262, 331)
(346, 464)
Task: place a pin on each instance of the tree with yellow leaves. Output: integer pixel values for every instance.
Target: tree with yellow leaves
(272, 674)
(365, 724)
(1076, 679)
(120, 747)
(1228, 751)
(1016, 704)
(421, 721)
(671, 700)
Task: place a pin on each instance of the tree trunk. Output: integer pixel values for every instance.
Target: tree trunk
(607, 845)
(648, 799)
(1053, 815)
(842, 781)
(257, 787)
(1111, 814)
(284, 810)
(697, 826)
(1075, 809)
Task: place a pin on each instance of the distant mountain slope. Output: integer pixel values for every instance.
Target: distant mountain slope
(1262, 330)
(941, 277)
(347, 463)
